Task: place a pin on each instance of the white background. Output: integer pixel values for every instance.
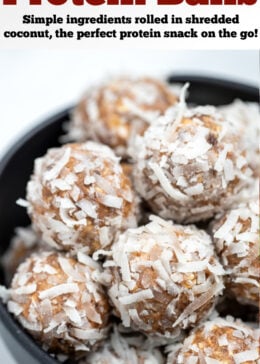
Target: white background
(35, 84)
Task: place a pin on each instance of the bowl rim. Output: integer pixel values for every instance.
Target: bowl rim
(215, 81)
(14, 328)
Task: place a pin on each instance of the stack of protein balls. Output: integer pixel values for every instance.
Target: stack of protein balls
(144, 235)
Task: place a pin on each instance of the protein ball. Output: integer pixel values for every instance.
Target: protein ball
(220, 341)
(246, 117)
(164, 277)
(189, 164)
(57, 300)
(79, 197)
(125, 349)
(113, 112)
(236, 236)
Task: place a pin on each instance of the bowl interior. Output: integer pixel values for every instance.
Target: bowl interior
(17, 165)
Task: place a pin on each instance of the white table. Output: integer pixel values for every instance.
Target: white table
(34, 84)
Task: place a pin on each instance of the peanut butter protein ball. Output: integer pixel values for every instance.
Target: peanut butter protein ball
(125, 349)
(57, 300)
(113, 112)
(79, 198)
(246, 117)
(236, 237)
(190, 164)
(164, 277)
(219, 341)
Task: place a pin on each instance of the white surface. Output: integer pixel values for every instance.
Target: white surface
(34, 84)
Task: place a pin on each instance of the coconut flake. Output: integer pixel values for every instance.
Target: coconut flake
(247, 355)
(166, 184)
(68, 269)
(101, 252)
(93, 315)
(137, 320)
(88, 207)
(64, 202)
(44, 268)
(161, 270)
(86, 260)
(70, 221)
(112, 201)
(31, 326)
(59, 290)
(229, 170)
(29, 289)
(80, 215)
(23, 203)
(60, 184)
(104, 236)
(58, 165)
(196, 266)
(137, 297)
(78, 168)
(124, 265)
(88, 180)
(219, 165)
(195, 190)
(247, 236)
(87, 334)
(227, 226)
(181, 107)
(73, 315)
(14, 308)
(223, 341)
(246, 280)
(198, 302)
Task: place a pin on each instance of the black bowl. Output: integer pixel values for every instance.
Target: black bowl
(16, 167)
